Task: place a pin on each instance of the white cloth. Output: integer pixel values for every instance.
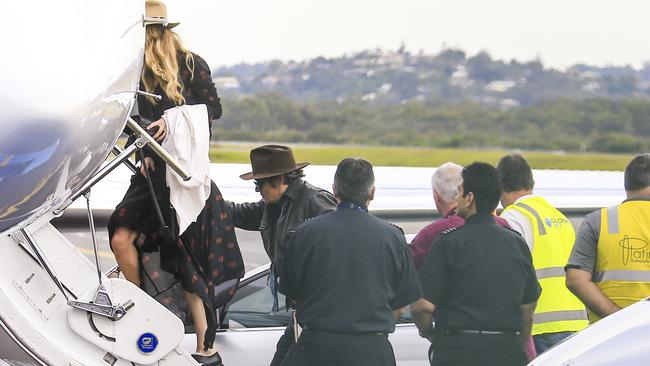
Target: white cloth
(520, 222)
(188, 142)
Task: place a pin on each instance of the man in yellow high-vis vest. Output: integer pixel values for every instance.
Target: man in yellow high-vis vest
(609, 267)
(550, 236)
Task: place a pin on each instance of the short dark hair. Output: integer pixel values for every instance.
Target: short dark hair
(515, 173)
(483, 180)
(637, 173)
(354, 180)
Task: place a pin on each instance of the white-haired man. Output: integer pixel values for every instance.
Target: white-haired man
(444, 185)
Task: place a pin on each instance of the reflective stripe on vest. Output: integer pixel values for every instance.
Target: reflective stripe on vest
(612, 220)
(623, 259)
(621, 275)
(540, 224)
(555, 316)
(549, 272)
(558, 310)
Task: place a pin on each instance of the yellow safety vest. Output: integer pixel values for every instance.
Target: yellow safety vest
(558, 310)
(623, 260)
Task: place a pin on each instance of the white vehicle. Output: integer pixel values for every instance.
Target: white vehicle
(618, 339)
(250, 329)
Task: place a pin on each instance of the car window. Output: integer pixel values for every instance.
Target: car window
(252, 307)
(253, 303)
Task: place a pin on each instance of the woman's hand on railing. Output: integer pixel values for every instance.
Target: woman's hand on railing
(161, 125)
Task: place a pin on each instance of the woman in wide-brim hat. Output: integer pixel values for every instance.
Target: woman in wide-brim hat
(208, 253)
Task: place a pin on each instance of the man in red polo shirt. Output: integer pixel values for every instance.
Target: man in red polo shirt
(444, 184)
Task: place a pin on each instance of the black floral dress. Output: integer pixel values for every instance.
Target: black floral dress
(207, 253)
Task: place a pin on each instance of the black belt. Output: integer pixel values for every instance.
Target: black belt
(476, 332)
(383, 334)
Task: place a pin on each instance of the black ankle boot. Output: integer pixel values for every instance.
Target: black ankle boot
(214, 360)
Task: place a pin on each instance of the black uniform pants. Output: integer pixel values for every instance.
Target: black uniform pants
(285, 343)
(316, 348)
(478, 349)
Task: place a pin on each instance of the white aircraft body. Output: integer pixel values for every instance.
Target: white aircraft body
(69, 76)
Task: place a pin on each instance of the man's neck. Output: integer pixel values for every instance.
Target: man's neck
(514, 196)
(639, 192)
(468, 213)
(446, 209)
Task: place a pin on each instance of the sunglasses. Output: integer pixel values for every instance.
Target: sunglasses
(260, 182)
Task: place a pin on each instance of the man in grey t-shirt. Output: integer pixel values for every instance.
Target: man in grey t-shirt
(609, 267)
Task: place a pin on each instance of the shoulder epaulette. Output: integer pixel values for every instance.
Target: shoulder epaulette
(449, 230)
(400, 229)
(307, 221)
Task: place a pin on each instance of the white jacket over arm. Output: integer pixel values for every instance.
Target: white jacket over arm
(188, 141)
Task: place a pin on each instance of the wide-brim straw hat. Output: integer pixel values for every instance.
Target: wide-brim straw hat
(272, 160)
(155, 12)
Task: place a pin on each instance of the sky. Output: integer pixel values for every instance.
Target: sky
(559, 32)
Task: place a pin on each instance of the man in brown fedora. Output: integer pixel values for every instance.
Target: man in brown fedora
(287, 201)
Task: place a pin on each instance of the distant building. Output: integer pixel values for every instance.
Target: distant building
(460, 77)
(409, 69)
(589, 75)
(269, 81)
(226, 82)
(591, 87)
(385, 88)
(369, 97)
(500, 86)
(508, 104)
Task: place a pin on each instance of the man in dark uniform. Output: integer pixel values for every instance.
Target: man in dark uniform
(480, 282)
(287, 201)
(350, 274)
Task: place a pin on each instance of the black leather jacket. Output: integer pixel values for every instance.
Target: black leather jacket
(301, 201)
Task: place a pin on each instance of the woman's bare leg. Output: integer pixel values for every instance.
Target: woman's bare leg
(126, 255)
(200, 322)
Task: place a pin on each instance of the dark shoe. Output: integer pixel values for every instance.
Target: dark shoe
(214, 360)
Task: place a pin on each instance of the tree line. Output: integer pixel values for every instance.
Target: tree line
(596, 125)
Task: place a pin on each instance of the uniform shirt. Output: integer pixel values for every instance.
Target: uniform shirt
(347, 271)
(478, 276)
(585, 250)
(421, 244)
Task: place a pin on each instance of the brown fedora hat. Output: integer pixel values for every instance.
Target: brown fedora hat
(271, 160)
(155, 12)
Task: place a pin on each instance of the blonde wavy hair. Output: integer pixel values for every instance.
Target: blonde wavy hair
(161, 50)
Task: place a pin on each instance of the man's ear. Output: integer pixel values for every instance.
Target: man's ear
(371, 196)
(334, 192)
(470, 199)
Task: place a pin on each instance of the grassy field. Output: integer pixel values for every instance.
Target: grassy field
(423, 157)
